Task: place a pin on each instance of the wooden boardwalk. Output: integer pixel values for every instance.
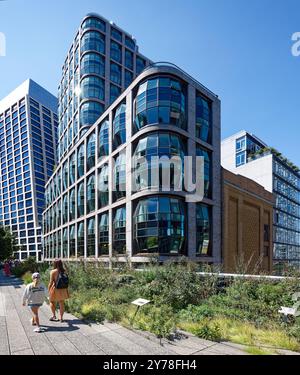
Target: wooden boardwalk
(74, 337)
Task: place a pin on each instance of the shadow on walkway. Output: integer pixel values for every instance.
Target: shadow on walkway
(10, 281)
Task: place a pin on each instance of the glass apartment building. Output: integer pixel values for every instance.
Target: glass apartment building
(245, 154)
(99, 205)
(28, 133)
(102, 61)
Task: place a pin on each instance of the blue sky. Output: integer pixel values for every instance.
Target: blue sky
(240, 49)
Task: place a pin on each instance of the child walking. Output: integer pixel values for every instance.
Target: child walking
(34, 296)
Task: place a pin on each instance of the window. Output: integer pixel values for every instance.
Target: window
(103, 248)
(72, 242)
(116, 74)
(72, 169)
(91, 238)
(92, 87)
(147, 173)
(80, 200)
(130, 43)
(92, 63)
(120, 177)
(80, 240)
(140, 65)
(160, 100)
(119, 231)
(203, 119)
(91, 151)
(90, 112)
(65, 209)
(119, 126)
(80, 161)
(240, 158)
(94, 23)
(116, 34)
(203, 235)
(65, 176)
(91, 194)
(159, 226)
(241, 144)
(207, 170)
(104, 139)
(116, 51)
(72, 205)
(103, 187)
(93, 41)
(114, 93)
(129, 59)
(128, 78)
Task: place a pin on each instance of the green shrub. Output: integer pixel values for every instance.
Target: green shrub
(27, 278)
(195, 313)
(93, 310)
(209, 331)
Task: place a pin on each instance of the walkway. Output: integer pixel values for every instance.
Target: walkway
(77, 337)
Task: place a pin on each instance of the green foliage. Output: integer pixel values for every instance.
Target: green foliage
(29, 265)
(27, 278)
(8, 243)
(209, 331)
(243, 311)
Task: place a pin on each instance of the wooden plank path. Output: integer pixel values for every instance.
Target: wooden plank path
(75, 337)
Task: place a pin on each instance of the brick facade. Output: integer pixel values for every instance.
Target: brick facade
(247, 225)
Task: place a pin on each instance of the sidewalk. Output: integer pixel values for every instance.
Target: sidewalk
(74, 337)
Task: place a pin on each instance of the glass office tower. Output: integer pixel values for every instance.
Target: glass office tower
(102, 61)
(98, 204)
(28, 134)
(245, 154)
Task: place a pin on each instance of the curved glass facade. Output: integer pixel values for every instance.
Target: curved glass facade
(120, 177)
(200, 151)
(90, 112)
(80, 161)
(92, 195)
(80, 200)
(91, 151)
(203, 119)
(161, 100)
(203, 220)
(103, 194)
(94, 23)
(159, 226)
(103, 246)
(119, 231)
(149, 172)
(72, 167)
(119, 126)
(92, 63)
(93, 41)
(104, 139)
(92, 87)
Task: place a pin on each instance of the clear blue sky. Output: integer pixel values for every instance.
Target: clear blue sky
(239, 49)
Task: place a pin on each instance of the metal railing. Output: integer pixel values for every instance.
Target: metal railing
(171, 65)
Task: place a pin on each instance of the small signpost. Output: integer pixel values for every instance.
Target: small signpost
(293, 311)
(139, 303)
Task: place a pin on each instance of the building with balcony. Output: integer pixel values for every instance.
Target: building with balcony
(28, 134)
(101, 62)
(245, 154)
(102, 202)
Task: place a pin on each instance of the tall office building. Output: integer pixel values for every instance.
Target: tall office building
(245, 154)
(102, 61)
(28, 127)
(99, 205)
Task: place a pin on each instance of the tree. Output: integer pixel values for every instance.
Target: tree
(7, 243)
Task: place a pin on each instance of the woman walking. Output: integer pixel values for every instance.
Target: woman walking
(58, 289)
